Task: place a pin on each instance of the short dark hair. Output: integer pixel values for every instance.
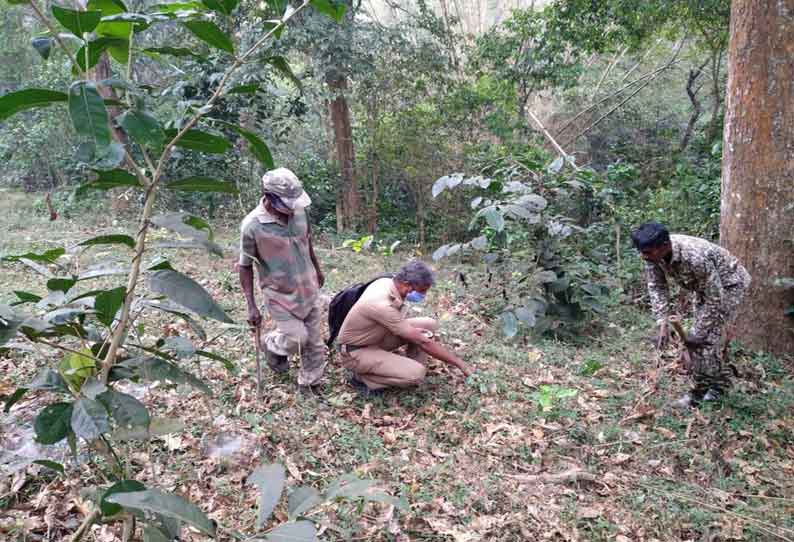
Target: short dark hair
(416, 273)
(650, 235)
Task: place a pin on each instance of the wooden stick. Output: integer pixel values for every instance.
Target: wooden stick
(258, 349)
(571, 475)
(86, 525)
(550, 137)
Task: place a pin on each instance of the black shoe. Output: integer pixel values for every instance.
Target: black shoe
(362, 388)
(277, 362)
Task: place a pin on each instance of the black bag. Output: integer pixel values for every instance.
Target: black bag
(343, 302)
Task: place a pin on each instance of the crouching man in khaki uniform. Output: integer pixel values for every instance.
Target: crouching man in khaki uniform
(276, 236)
(376, 326)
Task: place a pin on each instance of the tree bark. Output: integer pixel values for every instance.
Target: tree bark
(347, 195)
(757, 214)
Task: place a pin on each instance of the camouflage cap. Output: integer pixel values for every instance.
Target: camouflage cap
(283, 183)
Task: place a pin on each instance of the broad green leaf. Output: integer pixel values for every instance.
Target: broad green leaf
(153, 369)
(251, 88)
(14, 398)
(75, 367)
(167, 504)
(221, 6)
(166, 306)
(106, 180)
(209, 33)
(48, 380)
(53, 423)
(494, 218)
(89, 419)
(48, 256)
(180, 346)
(300, 531)
(95, 49)
(440, 252)
(270, 481)
(479, 243)
(108, 303)
(202, 184)
(61, 284)
(509, 324)
(18, 2)
(199, 224)
(92, 387)
(330, 8)
(257, 147)
(274, 23)
(30, 98)
(52, 465)
(157, 428)
(185, 291)
(124, 486)
(174, 7)
(526, 316)
(188, 226)
(349, 486)
(88, 113)
(109, 157)
(77, 22)
(281, 64)
(9, 324)
(228, 365)
(125, 409)
(302, 500)
(153, 534)
(115, 29)
(43, 46)
(25, 297)
(118, 239)
(174, 51)
(200, 141)
(143, 128)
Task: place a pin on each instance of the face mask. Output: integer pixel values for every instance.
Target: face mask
(415, 297)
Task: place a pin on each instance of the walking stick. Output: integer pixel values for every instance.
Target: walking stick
(258, 348)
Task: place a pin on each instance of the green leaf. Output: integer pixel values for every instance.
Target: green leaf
(153, 534)
(202, 184)
(30, 98)
(157, 428)
(77, 22)
(106, 180)
(48, 256)
(221, 6)
(89, 419)
(52, 465)
(300, 531)
(257, 147)
(209, 33)
(509, 324)
(61, 284)
(25, 297)
(200, 141)
(124, 486)
(174, 51)
(302, 500)
(116, 29)
(274, 23)
(185, 291)
(43, 46)
(191, 227)
(228, 365)
(48, 380)
(270, 481)
(125, 409)
(244, 89)
(53, 423)
(167, 504)
(281, 64)
(329, 8)
(95, 49)
(166, 306)
(88, 113)
(494, 218)
(14, 398)
(143, 128)
(153, 369)
(108, 303)
(118, 239)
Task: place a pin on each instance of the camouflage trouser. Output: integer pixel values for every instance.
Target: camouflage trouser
(298, 336)
(707, 367)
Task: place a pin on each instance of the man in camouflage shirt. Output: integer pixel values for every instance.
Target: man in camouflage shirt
(276, 237)
(719, 283)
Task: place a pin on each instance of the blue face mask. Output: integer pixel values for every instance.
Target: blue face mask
(415, 297)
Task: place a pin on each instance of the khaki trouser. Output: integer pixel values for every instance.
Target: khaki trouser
(379, 367)
(295, 336)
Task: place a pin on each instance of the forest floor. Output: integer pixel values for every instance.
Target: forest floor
(552, 440)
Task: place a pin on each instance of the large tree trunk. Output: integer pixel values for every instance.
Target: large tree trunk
(347, 196)
(757, 217)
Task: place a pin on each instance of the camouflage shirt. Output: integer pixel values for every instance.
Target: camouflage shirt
(698, 266)
(281, 252)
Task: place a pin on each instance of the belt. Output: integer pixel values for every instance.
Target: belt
(346, 349)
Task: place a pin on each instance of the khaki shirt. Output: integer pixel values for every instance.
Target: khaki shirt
(697, 266)
(380, 311)
(281, 252)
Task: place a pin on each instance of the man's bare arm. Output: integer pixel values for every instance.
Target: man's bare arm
(247, 284)
(436, 350)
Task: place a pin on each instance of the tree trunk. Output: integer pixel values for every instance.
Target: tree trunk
(347, 195)
(757, 219)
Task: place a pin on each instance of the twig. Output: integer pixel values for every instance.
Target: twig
(550, 138)
(66, 349)
(571, 475)
(609, 69)
(57, 37)
(86, 525)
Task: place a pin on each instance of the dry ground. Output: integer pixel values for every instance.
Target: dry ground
(496, 458)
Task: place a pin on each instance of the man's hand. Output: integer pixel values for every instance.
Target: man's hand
(663, 335)
(254, 317)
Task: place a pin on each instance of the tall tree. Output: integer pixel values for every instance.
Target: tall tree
(757, 216)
